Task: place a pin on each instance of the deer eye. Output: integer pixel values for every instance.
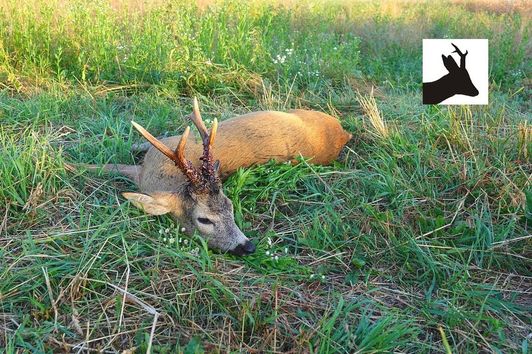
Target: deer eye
(205, 221)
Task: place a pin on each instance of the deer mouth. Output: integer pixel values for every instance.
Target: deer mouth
(243, 249)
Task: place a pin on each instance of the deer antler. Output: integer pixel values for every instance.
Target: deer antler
(209, 168)
(462, 56)
(195, 117)
(208, 177)
(178, 156)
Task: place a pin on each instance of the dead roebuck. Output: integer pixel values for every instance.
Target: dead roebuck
(192, 192)
(457, 81)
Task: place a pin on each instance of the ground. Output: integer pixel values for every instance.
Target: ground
(416, 240)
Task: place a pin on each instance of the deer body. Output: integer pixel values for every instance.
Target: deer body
(457, 81)
(190, 190)
(251, 139)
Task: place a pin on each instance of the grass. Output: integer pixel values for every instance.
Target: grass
(416, 240)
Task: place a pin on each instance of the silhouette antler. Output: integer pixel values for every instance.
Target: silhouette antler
(462, 56)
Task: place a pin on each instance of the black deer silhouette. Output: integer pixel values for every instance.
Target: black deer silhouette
(457, 81)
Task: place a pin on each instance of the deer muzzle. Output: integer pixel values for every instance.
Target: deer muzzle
(243, 249)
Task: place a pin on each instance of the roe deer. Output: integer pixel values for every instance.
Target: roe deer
(192, 193)
(457, 81)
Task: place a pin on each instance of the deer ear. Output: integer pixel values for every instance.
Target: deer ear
(151, 205)
(449, 63)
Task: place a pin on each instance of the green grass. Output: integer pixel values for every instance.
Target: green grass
(417, 240)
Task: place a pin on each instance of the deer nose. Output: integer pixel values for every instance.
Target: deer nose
(244, 249)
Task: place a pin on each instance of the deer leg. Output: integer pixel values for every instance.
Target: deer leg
(130, 171)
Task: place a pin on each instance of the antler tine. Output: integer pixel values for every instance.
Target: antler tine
(180, 149)
(156, 143)
(195, 117)
(462, 55)
(208, 167)
(212, 135)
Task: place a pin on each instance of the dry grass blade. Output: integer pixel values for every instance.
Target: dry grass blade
(371, 110)
(525, 139)
(50, 294)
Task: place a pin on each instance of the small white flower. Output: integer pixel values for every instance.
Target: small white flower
(323, 277)
(164, 239)
(267, 253)
(277, 258)
(166, 231)
(286, 250)
(161, 231)
(185, 242)
(172, 240)
(312, 276)
(335, 48)
(183, 229)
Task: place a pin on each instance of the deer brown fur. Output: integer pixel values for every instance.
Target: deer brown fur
(242, 141)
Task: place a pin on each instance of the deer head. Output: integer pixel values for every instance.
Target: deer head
(199, 204)
(462, 82)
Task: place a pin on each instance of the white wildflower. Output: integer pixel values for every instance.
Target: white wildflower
(286, 250)
(165, 239)
(172, 240)
(267, 253)
(277, 258)
(166, 231)
(183, 229)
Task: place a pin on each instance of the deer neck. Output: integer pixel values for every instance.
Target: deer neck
(443, 88)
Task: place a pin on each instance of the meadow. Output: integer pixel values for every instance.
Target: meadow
(416, 240)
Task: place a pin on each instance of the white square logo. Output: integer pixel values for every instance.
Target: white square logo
(455, 71)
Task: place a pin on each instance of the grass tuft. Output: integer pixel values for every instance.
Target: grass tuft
(371, 111)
